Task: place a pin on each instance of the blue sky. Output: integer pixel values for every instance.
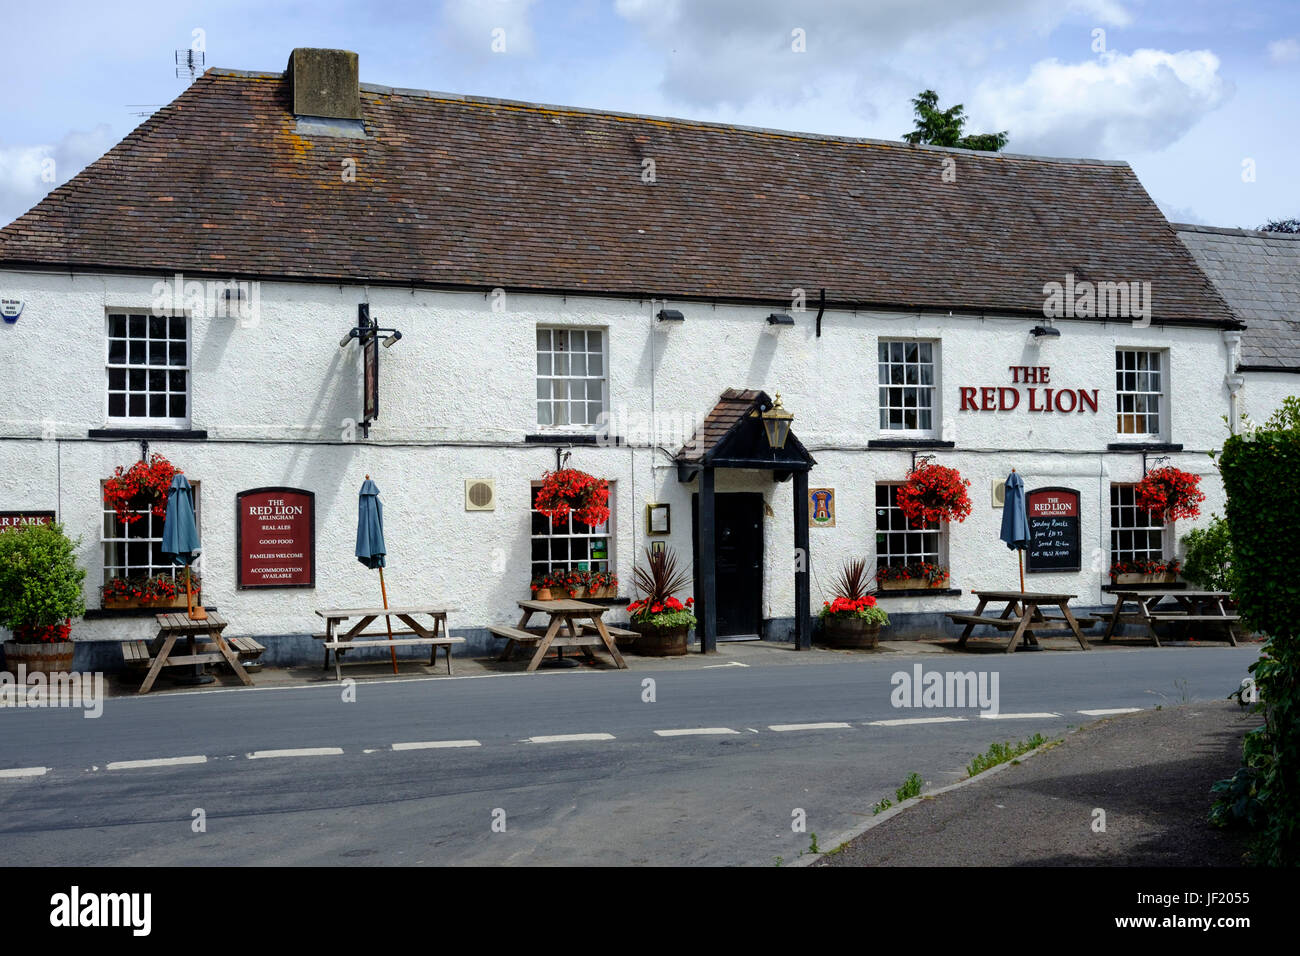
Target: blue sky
(1187, 91)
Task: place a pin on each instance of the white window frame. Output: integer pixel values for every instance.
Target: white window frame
(121, 534)
(936, 406)
(1141, 524)
(886, 557)
(1161, 394)
(539, 377)
(572, 530)
(168, 421)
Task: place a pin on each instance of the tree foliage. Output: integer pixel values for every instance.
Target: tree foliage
(1281, 225)
(936, 127)
(40, 582)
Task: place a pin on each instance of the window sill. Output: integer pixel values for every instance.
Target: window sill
(918, 592)
(1173, 586)
(1143, 446)
(567, 438)
(107, 613)
(910, 443)
(150, 434)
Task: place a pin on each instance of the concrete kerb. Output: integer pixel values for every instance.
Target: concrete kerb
(840, 839)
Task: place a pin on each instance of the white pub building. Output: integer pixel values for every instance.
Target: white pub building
(543, 285)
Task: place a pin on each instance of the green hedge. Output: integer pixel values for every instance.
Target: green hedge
(1261, 474)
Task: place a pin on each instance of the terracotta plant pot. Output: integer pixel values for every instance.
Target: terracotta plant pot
(908, 584)
(542, 594)
(53, 658)
(841, 630)
(654, 641)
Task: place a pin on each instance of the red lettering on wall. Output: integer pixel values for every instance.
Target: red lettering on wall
(986, 398)
(968, 398)
(1060, 400)
(1085, 400)
(1033, 401)
(1003, 406)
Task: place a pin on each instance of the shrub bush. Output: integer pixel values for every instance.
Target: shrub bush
(40, 582)
(1209, 556)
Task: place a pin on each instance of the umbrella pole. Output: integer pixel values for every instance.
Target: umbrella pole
(1021, 555)
(388, 622)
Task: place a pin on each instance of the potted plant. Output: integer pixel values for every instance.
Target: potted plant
(141, 487)
(574, 583)
(603, 584)
(1144, 572)
(933, 493)
(1168, 494)
(159, 591)
(920, 574)
(569, 490)
(851, 618)
(660, 619)
(549, 586)
(40, 593)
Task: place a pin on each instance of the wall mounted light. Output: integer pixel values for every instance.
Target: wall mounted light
(776, 423)
(670, 315)
(779, 318)
(1039, 331)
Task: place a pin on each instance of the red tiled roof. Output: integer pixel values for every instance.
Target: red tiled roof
(457, 191)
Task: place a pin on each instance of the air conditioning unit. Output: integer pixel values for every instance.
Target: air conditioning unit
(480, 494)
(999, 492)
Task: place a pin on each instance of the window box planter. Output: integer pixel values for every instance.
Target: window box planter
(914, 584)
(162, 604)
(1164, 577)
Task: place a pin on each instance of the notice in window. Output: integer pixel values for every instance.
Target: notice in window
(277, 538)
(1053, 530)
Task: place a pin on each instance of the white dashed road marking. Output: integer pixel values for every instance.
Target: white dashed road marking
(1017, 716)
(906, 721)
(1108, 711)
(696, 731)
(157, 762)
(568, 738)
(436, 744)
(19, 772)
(832, 725)
(305, 752)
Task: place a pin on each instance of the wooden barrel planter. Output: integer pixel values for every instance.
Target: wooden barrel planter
(654, 641)
(850, 632)
(44, 658)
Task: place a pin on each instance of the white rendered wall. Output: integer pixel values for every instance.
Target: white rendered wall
(276, 397)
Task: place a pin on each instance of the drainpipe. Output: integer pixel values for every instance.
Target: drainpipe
(1233, 379)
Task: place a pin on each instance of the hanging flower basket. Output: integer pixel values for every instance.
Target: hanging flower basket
(572, 491)
(933, 493)
(141, 487)
(1167, 494)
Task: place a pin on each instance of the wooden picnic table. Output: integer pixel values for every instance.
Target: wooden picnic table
(573, 617)
(1187, 606)
(416, 632)
(1023, 615)
(173, 627)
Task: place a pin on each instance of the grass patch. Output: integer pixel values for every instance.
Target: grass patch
(1003, 752)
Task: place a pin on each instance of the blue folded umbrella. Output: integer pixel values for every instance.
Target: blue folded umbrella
(1015, 522)
(180, 537)
(370, 526)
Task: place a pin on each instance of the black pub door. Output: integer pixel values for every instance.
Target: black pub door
(738, 540)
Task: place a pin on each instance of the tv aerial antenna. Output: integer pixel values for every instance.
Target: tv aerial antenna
(189, 63)
(143, 109)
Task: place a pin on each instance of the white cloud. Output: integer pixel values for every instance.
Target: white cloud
(733, 52)
(1284, 51)
(1109, 107)
(475, 25)
(22, 168)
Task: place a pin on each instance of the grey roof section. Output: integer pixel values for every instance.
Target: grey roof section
(1259, 275)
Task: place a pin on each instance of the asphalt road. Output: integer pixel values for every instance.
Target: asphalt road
(632, 797)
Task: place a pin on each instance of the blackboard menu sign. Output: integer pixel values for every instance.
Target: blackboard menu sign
(276, 538)
(1053, 530)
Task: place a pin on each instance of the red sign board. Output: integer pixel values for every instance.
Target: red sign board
(276, 538)
(1054, 541)
(21, 519)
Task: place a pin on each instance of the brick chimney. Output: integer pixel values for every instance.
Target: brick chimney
(324, 83)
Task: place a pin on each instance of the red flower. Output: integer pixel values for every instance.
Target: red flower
(932, 494)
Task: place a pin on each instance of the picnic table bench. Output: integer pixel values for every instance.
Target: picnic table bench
(1023, 614)
(213, 648)
(1204, 607)
(576, 617)
(414, 634)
